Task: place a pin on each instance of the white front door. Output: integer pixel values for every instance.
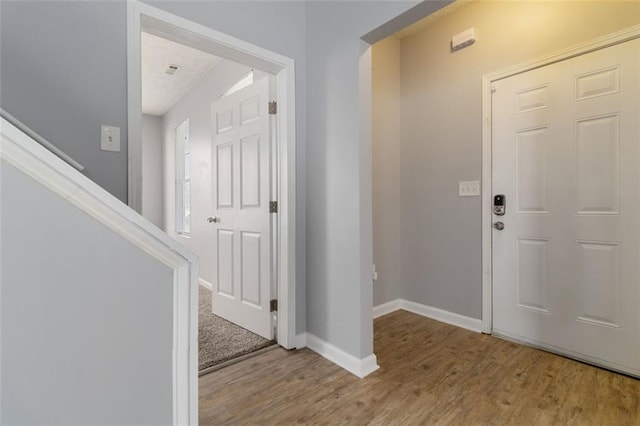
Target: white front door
(566, 266)
(241, 150)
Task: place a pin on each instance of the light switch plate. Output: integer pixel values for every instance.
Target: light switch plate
(469, 188)
(110, 138)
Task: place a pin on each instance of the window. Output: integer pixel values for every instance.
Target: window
(183, 180)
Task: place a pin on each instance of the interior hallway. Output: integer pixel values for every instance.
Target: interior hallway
(430, 373)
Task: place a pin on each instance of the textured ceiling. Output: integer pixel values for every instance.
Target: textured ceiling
(160, 91)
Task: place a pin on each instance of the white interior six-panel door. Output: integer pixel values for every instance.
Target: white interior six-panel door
(241, 221)
(566, 266)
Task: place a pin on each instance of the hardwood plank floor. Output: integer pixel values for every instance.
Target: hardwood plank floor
(430, 373)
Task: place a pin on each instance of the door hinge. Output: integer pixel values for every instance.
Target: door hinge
(273, 305)
(273, 108)
(273, 207)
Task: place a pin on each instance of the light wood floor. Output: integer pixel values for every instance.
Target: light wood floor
(431, 373)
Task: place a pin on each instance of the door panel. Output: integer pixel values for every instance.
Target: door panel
(224, 177)
(598, 157)
(599, 266)
(251, 267)
(566, 272)
(531, 171)
(224, 277)
(250, 174)
(241, 188)
(532, 255)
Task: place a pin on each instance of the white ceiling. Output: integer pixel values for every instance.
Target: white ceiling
(160, 91)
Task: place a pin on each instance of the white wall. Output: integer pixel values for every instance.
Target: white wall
(196, 106)
(386, 170)
(441, 132)
(152, 175)
(86, 316)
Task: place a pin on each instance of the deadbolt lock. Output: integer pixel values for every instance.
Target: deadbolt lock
(499, 205)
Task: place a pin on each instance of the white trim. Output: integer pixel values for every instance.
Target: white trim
(175, 28)
(301, 341)
(486, 216)
(206, 284)
(34, 160)
(286, 238)
(357, 366)
(571, 52)
(441, 315)
(185, 319)
(487, 80)
(437, 314)
(386, 308)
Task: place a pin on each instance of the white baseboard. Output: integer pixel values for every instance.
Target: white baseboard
(300, 341)
(205, 284)
(437, 314)
(452, 318)
(359, 367)
(386, 308)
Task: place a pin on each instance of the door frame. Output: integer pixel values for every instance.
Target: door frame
(167, 25)
(487, 194)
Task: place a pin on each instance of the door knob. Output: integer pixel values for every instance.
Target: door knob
(214, 219)
(499, 226)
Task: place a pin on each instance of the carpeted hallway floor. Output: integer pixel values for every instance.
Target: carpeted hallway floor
(221, 340)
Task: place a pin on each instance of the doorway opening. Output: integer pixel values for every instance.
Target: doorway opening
(224, 61)
(187, 175)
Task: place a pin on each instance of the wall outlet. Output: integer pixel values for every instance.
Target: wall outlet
(110, 138)
(469, 188)
(374, 273)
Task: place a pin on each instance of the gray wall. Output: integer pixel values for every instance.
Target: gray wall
(441, 130)
(152, 176)
(85, 316)
(64, 74)
(339, 249)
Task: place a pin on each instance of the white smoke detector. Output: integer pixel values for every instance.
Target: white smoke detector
(463, 39)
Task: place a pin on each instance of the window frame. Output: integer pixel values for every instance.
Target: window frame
(183, 179)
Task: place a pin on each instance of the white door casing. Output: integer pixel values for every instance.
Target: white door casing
(241, 222)
(565, 154)
(141, 16)
(160, 22)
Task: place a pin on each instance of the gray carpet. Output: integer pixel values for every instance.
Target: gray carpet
(221, 340)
